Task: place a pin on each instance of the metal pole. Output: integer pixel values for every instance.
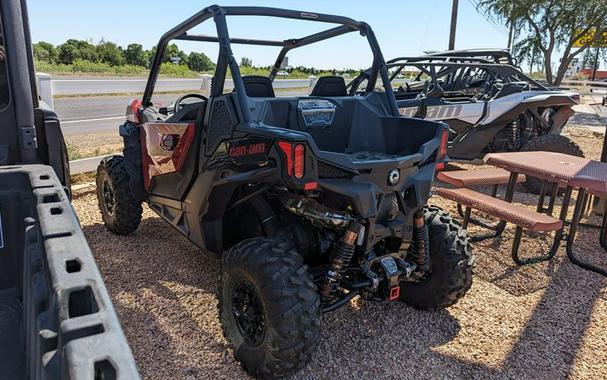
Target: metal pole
(596, 64)
(599, 203)
(453, 24)
(510, 32)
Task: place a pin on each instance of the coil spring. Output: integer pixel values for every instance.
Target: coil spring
(515, 135)
(422, 249)
(340, 259)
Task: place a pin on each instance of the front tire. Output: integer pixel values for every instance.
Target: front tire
(451, 262)
(268, 307)
(549, 143)
(120, 211)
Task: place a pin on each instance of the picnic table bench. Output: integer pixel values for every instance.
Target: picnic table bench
(555, 169)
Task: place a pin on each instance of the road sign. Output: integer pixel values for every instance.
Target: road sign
(589, 36)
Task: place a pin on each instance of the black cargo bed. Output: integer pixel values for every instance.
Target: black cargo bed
(56, 317)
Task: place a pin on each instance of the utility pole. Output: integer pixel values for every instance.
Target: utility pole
(453, 24)
(511, 31)
(596, 64)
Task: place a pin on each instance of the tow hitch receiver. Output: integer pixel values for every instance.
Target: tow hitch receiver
(394, 293)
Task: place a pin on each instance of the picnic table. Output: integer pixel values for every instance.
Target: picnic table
(559, 171)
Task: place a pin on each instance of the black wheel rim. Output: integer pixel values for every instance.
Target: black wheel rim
(107, 192)
(248, 312)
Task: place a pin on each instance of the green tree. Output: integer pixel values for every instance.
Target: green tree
(110, 53)
(200, 62)
(135, 55)
(74, 49)
(246, 62)
(551, 26)
(173, 52)
(45, 52)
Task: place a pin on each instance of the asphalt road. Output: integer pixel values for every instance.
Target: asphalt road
(103, 85)
(95, 114)
(116, 85)
(98, 114)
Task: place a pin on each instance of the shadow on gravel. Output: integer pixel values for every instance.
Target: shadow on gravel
(552, 337)
(163, 289)
(586, 119)
(389, 341)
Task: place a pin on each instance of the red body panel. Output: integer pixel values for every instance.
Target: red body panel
(164, 147)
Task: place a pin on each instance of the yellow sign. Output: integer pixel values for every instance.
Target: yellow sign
(588, 37)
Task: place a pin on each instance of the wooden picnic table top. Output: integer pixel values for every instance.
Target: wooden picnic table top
(555, 167)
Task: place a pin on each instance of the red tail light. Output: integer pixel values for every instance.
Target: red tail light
(296, 158)
(442, 150)
(132, 111)
(300, 159)
(287, 150)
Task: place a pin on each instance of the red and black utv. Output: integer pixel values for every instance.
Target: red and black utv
(310, 200)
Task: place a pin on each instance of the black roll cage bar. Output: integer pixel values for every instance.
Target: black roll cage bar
(447, 67)
(226, 58)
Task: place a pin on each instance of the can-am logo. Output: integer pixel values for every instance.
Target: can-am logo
(434, 112)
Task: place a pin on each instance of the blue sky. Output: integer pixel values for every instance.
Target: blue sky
(404, 27)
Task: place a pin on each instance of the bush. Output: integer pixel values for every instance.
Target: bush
(173, 70)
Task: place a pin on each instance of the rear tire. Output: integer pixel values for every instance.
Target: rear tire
(549, 143)
(120, 211)
(268, 307)
(451, 263)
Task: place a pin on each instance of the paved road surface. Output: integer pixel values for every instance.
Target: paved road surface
(99, 114)
(103, 85)
(93, 85)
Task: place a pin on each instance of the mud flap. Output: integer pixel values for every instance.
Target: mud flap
(132, 159)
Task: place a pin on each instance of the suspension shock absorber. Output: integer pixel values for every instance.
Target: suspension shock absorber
(515, 135)
(340, 259)
(421, 246)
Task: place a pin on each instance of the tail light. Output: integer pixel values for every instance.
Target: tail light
(133, 111)
(296, 158)
(442, 150)
(287, 150)
(300, 158)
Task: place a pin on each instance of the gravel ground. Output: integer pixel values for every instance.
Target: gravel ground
(541, 321)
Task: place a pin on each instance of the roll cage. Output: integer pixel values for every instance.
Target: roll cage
(490, 55)
(226, 58)
(439, 66)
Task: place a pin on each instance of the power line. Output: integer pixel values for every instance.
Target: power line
(500, 28)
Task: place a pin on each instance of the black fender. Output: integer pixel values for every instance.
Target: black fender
(132, 159)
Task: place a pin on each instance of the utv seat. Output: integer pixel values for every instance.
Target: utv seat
(257, 86)
(330, 86)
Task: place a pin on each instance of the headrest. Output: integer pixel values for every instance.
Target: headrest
(330, 86)
(258, 86)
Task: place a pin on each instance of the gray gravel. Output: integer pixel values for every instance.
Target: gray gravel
(541, 321)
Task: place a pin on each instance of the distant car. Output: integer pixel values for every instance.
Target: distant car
(282, 74)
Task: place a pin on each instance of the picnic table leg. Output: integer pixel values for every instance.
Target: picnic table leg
(556, 242)
(553, 195)
(475, 221)
(603, 238)
(501, 225)
(577, 214)
(542, 197)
